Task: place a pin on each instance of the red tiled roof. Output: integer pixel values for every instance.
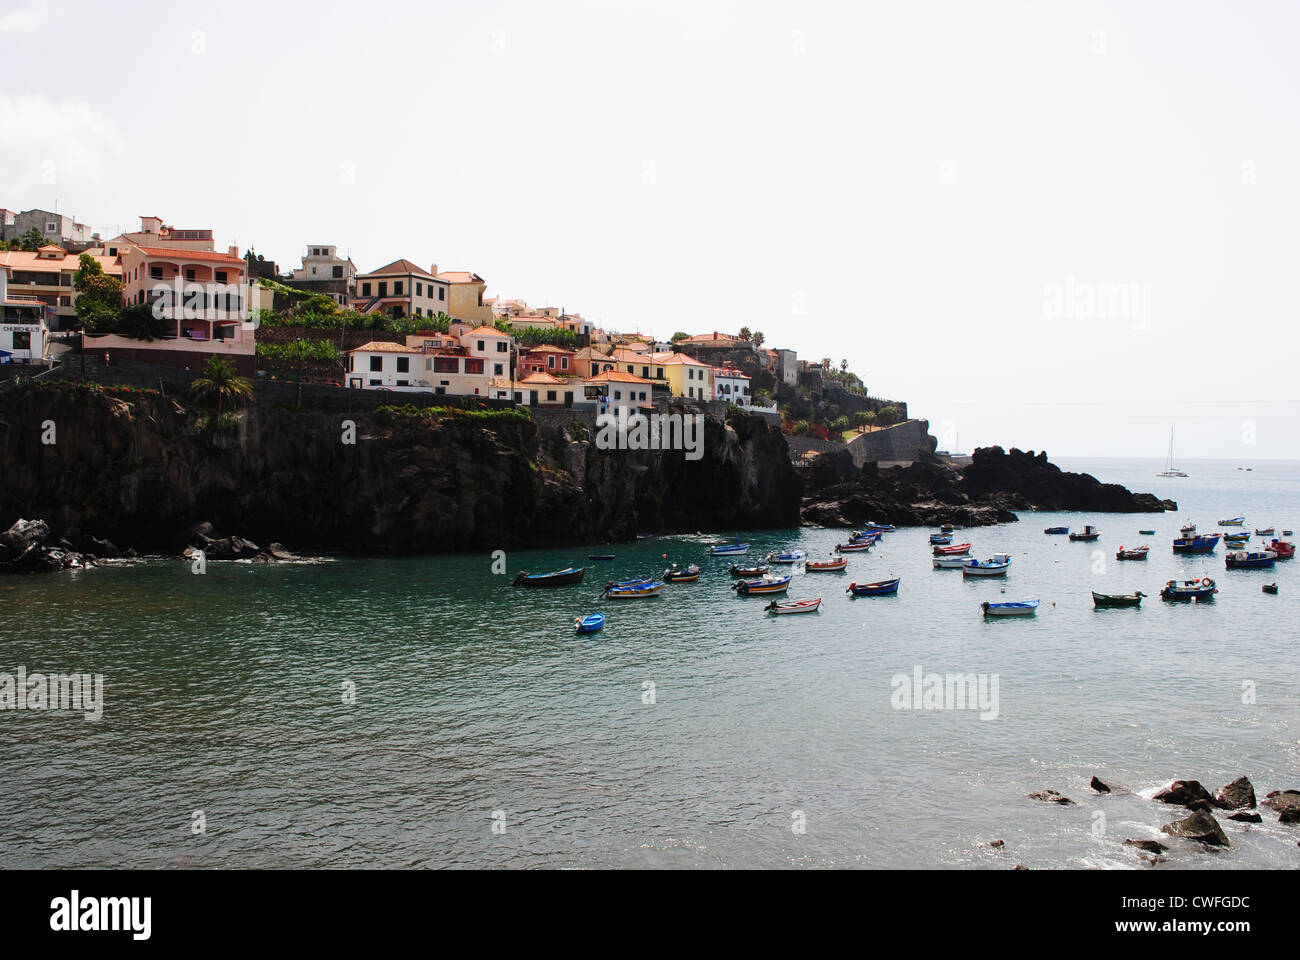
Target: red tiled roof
(460, 276)
(167, 253)
(618, 376)
(485, 330)
(399, 267)
(383, 346)
(541, 378)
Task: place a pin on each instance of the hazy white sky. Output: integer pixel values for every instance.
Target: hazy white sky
(1061, 226)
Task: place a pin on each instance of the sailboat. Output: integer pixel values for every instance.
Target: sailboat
(1170, 470)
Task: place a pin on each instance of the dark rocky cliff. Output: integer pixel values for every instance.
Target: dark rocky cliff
(133, 470)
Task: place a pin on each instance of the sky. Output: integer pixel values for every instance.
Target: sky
(1066, 226)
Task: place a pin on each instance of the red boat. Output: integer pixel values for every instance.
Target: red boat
(956, 550)
(821, 566)
(1284, 549)
(1136, 553)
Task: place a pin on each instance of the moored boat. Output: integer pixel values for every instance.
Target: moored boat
(1202, 589)
(1284, 549)
(634, 591)
(1234, 522)
(556, 578)
(794, 606)
(826, 566)
(600, 556)
(1266, 532)
(1287, 533)
(950, 563)
(864, 536)
(879, 528)
(946, 528)
(1270, 588)
(786, 557)
(1135, 553)
(762, 585)
(1088, 533)
(1147, 533)
(994, 566)
(728, 549)
(881, 588)
(1057, 530)
(1011, 608)
(1196, 544)
(939, 538)
(750, 572)
(851, 547)
(1117, 599)
(676, 574)
(1250, 559)
(956, 550)
(1236, 539)
(590, 623)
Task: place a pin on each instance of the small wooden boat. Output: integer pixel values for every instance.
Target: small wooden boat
(1199, 590)
(600, 556)
(1088, 533)
(1270, 588)
(879, 528)
(786, 557)
(728, 549)
(851, 547)
(950, 563)
(1196, 544)
(1147, 533)
(1266, 532)
(861, 536)
(939, 538)
(1236, 539)
(1136, 553)
(634, 591)
(590, 623)
(826, 566)
(1234, 522)
(1117, 599)
(1287, 533)
(1013, 608)
(1250, 559)
(994, 566)
(956, 550)
(676, 574)
(1284, 549)
(1057, 530)
(946, 528)
(750, 572)
(1187, 529)
(640, 581)
(881, 588)
(763, 585)
(556, 578)
(794, 606)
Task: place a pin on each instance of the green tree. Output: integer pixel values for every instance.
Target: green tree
(32, 240)
(758, 338)
(744, 333)
(221, 382)
(99, 296)
(138, 322)
(839, 424)
(801, 429)
(864, 418)
(679, 336)
(844, 367)
(889, 414)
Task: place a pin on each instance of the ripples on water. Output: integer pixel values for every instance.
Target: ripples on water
(224, 694)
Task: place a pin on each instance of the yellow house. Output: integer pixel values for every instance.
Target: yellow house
(643, 365)
(467, 302)
(687, 377)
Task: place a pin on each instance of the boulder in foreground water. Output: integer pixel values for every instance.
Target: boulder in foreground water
(1200, 826)
(1286, 803)
(1050, 796)
(1150, 846)
(1236, 795)
(1185, 793)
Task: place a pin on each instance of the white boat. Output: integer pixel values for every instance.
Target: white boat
(787, 556)
(1014, 608)
(1187, 529)
(794, 606)
(950, 563)
(994, 566)
(1170, 470)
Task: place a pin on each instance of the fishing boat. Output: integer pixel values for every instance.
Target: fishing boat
(859, 536)
(1236, 539)
(600, 556)
(1287, 533)
(1136, 553)
(881, 588)
(676, 574)
(1284, 549)
(1088, 533)
(1147, 533)
(1012, 608)
(1117, 599)
(946, 528)
(1196, 544)
(556, 578)
(1187, 529)
(826, 566)
(590, 623)
(1270, 588)
(786, 557)
(1234, 522)
(1057, 530)
(994, 566)
(938, 538)
(635, 591)
(794, 606)
(763, 585)
(1170, 470)
(950, 563)
(1250, 559)
(851, 547)
(956, 550)
(879, 528)
(1202, 589)
(728, 549)
(623, 584)
(1266, 532)
(749, 572)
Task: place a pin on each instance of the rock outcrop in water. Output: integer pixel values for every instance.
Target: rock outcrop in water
(135, 471)
(930, 492)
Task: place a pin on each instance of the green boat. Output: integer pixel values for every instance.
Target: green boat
(1117, 599)
(1147, 533)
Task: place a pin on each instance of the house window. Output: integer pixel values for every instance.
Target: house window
(502, 346)
(376, 364)
(645, 372)
(480, 345)
(419, 311)
(474, 365)
(383, 288)
(403, 383)
(550, 396)
(519, 397)
(498, 369)
(397, 288)
(155, 273)
(189, 274)
(441, 294)
(446, 365)
(419, 289)
(564, 363)
(365, 289)
(618, 395)
(403, 364)
(550, 361)
(338, 273)
(376, 383)
(221, 276)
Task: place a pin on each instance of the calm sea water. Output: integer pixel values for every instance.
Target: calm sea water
(476, 706)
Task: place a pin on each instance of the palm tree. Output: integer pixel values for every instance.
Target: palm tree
(844, 366)
(744, 333)
(221, 382)
(758, 338)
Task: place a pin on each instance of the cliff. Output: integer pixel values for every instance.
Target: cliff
(130, 467)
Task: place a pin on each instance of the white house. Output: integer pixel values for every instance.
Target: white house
(731, 385)
(394, 366)
(23, 332)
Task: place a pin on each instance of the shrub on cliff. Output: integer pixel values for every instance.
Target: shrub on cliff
(222, 383)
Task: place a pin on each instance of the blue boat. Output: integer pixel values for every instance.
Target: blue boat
(728, 549)
(880, 528)
(1198, 590)
(1250, 559)
(600, 556)
(557, 578)
(590, 623)
(787, 556)
(940, 539)
(881, 588)
(1197, 544)
(769, 584)
(1012, 608)
(629, 584)
(1061, 530)
(633, 589)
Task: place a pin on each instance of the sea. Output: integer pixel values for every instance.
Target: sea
(423, 713)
